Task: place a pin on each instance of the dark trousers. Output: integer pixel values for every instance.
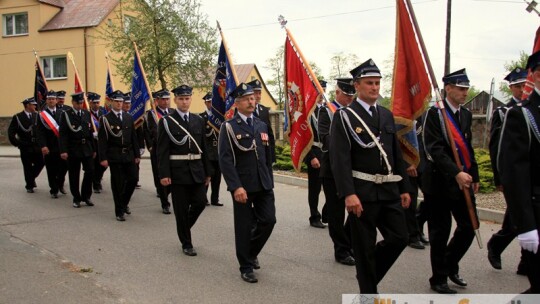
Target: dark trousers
(502, 238)
(123, 182)
(56, 171)
(260, 212)
(189, 202)
(99, 170)
(314, 188)
(74, 165)
(445, 256)
(335, 210)
(163, 191)
(373, 260)
(32, 165)
(410, 213)
(533, 269)
(215, 182)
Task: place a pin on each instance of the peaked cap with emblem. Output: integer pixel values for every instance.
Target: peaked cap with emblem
(93, 97)
(518, 75)
(256, 85)
(162, 94)
(366, 69)
(183, 90)
(127, 97)
(533, 61)
(346, 85)
(323, 83)
(116, 95)
(51, 94)
(77, 97)
(241, 90)
(29, 100)
(61, 94)
(207, 97)
(458, 78)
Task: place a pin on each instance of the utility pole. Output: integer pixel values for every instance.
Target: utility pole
(447, 47)
(532, 7)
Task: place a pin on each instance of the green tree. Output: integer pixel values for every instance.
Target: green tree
(341, 64)
(473, 91)
(175, 42)
(275, 83)
(509, 66)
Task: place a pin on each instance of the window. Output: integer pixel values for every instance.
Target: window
(128, 22)
(54, 67)
(15, 24)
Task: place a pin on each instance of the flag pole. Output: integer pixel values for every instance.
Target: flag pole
(42, 77)
(283, 22)
(152, 104)
(472, 214)
(233, 68)
(70, 56)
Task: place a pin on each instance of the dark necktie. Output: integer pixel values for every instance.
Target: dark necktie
(249, 121)
(30, 116)
(53, 113)
(374, 114)
(119, 116)
(458, 121)
(79, 113)
(165, 112)
(186, 119)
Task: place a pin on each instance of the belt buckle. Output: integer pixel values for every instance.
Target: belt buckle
(215, 143)
(379, 178)
(124, 150)
(83, 141)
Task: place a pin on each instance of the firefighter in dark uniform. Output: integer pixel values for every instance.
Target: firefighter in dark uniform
(22, 133)
(151, 120)
(96, 111)
(519, 167)
(48, 133)
(313, 163)
(502, 238)
(119, 150)
(183, 164)
(370, 175)
(77, 148)
(60, 99)
(139, 132)
(211, 137)
(334, 209)
(263, 113)
(443, 180)
(245, 160)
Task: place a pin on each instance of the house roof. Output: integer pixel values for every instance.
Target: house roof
(78, 13)
(244, 70)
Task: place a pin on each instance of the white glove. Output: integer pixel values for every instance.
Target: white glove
(95, 134)
(529, 241)
(141, 151)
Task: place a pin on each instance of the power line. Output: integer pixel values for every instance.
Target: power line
(323, 16)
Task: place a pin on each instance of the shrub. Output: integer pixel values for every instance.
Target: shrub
(487, 185)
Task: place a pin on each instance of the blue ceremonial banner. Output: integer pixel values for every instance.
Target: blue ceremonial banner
(139, 92)
(224, 83)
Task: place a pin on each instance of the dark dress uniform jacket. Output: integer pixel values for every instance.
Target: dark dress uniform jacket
(120, 149)
(315, 152)
(519, 165)
(47, 138)
(26, 141)
(76, 144)
(248, 169)
(325, 120)
(441, 169)
(495, 133)
(264, 115)
(347, 155)
(182, 171)
(150, 127)
(211, 139)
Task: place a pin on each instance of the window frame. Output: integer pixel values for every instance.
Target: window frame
(50, 60)
(14, 34)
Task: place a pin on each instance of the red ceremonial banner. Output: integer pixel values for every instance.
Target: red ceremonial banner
(301, 100)
(411, 89)
(78, 88)
(529, 85)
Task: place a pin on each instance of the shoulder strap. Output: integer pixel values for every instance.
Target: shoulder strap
(188, 135)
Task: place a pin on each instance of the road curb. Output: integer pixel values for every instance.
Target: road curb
(484, 213)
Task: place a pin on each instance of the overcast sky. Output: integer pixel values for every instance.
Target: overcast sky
(485, 33)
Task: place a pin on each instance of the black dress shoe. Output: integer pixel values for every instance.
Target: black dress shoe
(157, 194)
(442, 288)
(457, 279)
(89, 203)
(166, 210)
(522, 270)
(317, 224)
(189, 251)
(256, 264)
(249, 277)
(349, 261)
(217, 204)
(416, 244)
(423, 239)
(30, 190)
(127, 211)
(97, 190)
(76, 204)
(54, 195)
(138, 186)
(62, 190)
(120, 218)
(494, 259)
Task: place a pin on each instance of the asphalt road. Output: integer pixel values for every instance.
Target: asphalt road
(51, 252)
